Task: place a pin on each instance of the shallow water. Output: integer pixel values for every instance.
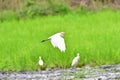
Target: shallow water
(104, 72)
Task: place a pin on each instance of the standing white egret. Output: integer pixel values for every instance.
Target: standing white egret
(57, 41)
(40, 61)
(75, 60)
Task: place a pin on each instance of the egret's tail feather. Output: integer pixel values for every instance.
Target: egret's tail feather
(44, 40)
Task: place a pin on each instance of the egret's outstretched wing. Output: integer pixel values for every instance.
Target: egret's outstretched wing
(53, 40)
(58, 41)
(61, 44)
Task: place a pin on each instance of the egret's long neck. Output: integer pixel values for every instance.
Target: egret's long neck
(78, 56)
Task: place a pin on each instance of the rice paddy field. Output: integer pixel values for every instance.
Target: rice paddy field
(95, 35)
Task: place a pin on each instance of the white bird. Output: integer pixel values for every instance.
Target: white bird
(57, 41)
(75, 60)
(40, 61)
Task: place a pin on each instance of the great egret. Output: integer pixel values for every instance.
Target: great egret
(75, 60)
(57, 41)
(40, 61)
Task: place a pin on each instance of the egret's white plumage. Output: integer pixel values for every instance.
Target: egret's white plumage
(57, 41)
(75, 60)
(40, 61)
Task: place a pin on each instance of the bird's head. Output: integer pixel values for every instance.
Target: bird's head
(39, 57)
(62, 34)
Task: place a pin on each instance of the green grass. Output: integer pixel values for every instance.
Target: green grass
(96, 36)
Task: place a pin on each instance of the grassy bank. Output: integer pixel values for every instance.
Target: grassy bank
(96, 36)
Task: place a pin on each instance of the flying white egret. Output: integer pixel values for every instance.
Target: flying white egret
(40, 61)
(75, 60)
(57, 41)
